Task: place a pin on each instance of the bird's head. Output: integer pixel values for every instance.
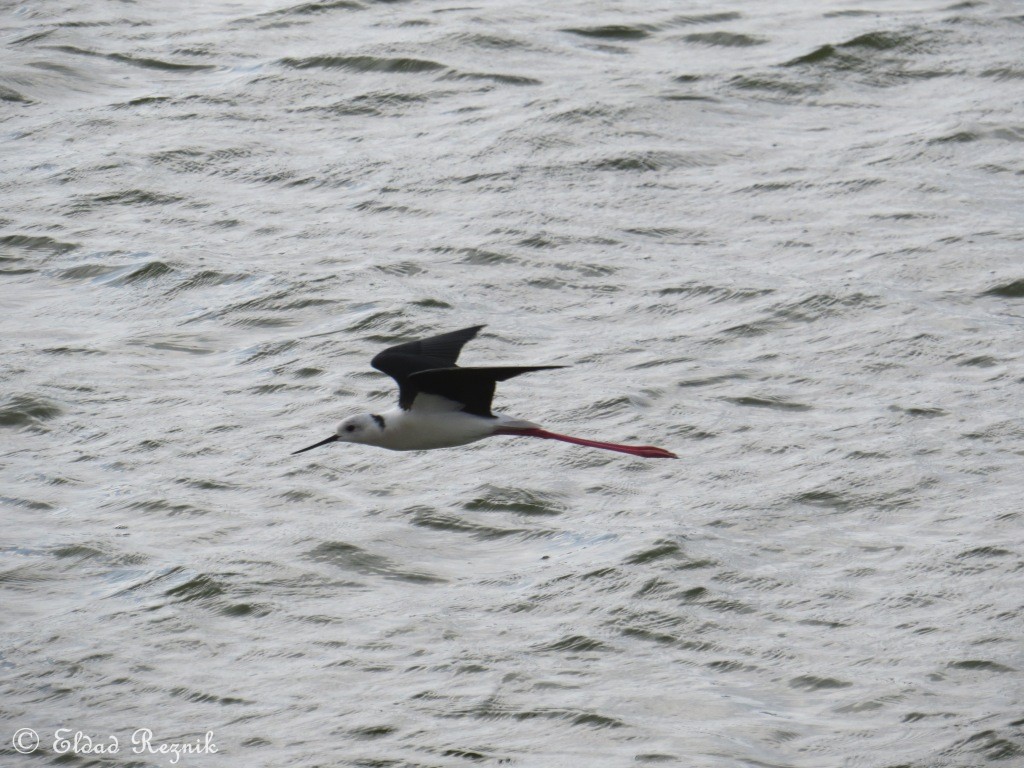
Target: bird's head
(365, 428)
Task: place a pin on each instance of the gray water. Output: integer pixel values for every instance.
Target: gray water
(781, 239)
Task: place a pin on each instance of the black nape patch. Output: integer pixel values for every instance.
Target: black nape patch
(379, 419)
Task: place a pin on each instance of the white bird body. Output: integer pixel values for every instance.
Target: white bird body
(432, 422)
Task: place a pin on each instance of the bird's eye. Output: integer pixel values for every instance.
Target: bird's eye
(350, 428)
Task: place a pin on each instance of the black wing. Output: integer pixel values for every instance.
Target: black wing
(402, 361)
(473, 387)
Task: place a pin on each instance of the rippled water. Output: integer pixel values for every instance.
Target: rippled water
(781, 239)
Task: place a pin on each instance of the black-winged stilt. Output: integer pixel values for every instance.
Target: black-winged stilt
(441, 405)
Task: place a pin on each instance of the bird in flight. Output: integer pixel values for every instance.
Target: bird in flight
(441, 405)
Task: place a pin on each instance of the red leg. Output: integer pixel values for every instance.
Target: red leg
(646, 451)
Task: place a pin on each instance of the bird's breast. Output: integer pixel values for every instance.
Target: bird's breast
(413, 431)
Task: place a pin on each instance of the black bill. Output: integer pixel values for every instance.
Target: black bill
(330, 439)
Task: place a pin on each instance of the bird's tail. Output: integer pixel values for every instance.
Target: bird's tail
(512, 424)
